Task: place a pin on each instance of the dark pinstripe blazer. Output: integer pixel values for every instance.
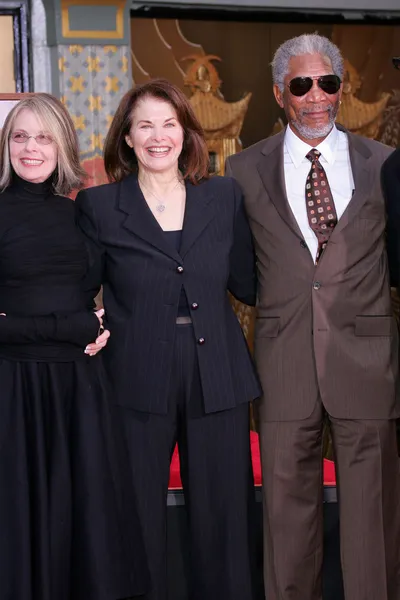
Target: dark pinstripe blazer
(142, 276)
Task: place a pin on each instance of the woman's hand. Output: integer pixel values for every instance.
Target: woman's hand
(102, 339)
(100, 314)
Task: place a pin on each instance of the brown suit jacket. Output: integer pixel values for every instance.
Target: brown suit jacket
(323, 330)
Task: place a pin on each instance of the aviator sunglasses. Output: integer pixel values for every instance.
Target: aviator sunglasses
(299, 86)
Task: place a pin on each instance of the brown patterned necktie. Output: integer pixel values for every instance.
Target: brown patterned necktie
(321, 209)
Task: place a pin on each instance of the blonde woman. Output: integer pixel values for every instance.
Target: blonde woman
(67, 531)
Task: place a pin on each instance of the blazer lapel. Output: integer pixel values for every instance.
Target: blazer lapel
(272, 174)
(139, 218)
(271, 171)
(198, 213)
(359, 157)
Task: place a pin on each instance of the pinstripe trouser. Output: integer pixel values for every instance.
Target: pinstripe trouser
(217, 479)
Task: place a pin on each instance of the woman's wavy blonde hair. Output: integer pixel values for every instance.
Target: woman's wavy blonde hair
(55, 119)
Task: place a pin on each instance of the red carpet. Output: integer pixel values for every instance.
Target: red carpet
(175, 479)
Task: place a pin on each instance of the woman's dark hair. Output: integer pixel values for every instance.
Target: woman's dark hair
(120, 160)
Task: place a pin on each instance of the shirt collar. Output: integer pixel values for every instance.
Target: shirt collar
(297, 149)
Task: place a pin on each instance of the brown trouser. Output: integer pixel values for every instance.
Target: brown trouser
(367, 472)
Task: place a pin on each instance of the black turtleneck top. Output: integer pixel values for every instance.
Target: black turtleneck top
(43, 262)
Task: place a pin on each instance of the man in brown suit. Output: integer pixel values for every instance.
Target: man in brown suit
(326, 342)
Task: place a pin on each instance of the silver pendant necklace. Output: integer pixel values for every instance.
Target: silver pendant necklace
(161, 206)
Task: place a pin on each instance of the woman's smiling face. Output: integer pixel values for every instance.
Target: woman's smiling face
(32, 161)
(156, 135)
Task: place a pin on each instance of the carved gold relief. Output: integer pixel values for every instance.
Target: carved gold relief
(221, 121)
(360, 117)
(390, 128)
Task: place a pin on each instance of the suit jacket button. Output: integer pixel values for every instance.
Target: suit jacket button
(316, 285)
(303, 244)
(194, 306)
(179, 269)
(201, 341)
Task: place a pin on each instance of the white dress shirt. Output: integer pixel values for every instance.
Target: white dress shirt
(335, 159)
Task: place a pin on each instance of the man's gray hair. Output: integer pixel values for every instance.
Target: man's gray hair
(299, 46)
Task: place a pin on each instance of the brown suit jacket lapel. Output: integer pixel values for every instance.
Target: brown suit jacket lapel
(360, 155)
(270, 168)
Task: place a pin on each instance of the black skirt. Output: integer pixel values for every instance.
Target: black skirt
(68, 523)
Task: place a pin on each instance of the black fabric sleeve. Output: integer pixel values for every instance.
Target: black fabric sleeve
(242, 281)
(390, 178)
(79, 328)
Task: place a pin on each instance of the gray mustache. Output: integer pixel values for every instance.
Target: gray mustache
(306, 111)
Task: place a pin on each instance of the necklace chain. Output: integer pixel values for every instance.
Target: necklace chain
(161, 206)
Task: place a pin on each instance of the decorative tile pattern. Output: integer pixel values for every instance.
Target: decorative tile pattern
(92, 81)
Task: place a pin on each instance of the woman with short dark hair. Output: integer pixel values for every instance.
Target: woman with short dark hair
(168, 242)
(120, 161)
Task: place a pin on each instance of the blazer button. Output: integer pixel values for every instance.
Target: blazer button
(179, 269)
(201, 341)
(194, 306)
(316, 285)
(303, 244)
